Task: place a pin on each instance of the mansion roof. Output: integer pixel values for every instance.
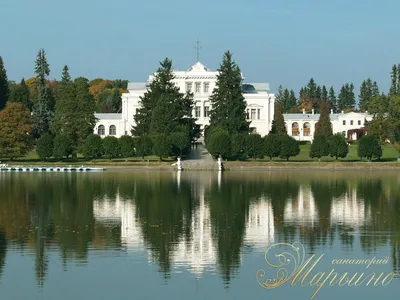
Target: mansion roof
(108, 116)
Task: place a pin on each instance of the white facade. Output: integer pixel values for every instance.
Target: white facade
(302, 126)
(201, 81)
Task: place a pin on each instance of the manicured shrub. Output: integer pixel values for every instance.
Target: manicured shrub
(111, 147)
(127, 145)
(162, 146)
(255, 146)
(319, 147)
(289, 147)
(62, 146)
(272, 145)
(44, 146)
(239, 146)
(338, 146)
(143, 145)
(93, 146)
(369, 147)
(219, 143)
(180, 141)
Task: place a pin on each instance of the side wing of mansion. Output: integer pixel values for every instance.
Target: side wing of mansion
(201, 81)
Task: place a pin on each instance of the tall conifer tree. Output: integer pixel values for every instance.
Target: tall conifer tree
(324, 125)
(227, 101)
(4, 89)
(278, 124)
(44, 106)
(332, 99)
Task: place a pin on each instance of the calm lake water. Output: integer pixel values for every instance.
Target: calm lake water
(196, 235)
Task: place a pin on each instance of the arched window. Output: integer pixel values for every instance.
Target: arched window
(306, 129)
(113, 130)
(101, 130)
(295, 129)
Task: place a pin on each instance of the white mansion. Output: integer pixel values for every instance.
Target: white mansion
(201, 81)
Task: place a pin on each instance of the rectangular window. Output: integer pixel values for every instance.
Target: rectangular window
(206, 87)
(344, 122)
(253, 114)
(197, 112)
(258, 114)
(359, 122)
(206, 111)
(189, 87)
(351, 122)
(198, 87)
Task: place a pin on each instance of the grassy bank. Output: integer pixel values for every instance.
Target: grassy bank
(388, 160)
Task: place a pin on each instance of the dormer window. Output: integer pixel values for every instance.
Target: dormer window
(198, 87)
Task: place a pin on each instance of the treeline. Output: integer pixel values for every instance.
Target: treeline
(312, 95)
(39, 109)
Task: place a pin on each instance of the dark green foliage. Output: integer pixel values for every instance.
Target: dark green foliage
(111, 147)
(394, 87)
(227, 101)
(369, 147)
(287, 99)
(66, 110)
(324, 94)
(324, 125)
(239, 145)
(162, 146)
(127, 145)
(319, 147)
(42, 68)
(62, 146)
(84, 114)
(4, 88)
(219, 143)
(143, 145)
(20, 93)
(278, 124)
(43, 109)
(180, 141)
(338, 146)
(368, 90)
(272, 145)
(255, 146)
(332, 99)
(164, 109)
(44, 146)
(346, 98)
(93, 147)
(289, 147)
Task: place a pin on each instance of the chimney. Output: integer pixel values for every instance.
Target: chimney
(312, 111)
(304, 111)
(331, 111)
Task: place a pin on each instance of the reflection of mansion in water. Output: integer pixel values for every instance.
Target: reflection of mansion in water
(346, 210)
(200, 252)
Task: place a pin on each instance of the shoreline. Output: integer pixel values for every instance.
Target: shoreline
(228, 166)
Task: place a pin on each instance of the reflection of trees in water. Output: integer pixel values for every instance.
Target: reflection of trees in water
(3, 250)
(324, 192)
(37, 211)
(164, 215)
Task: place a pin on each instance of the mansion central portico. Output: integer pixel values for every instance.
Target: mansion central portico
(201, 81)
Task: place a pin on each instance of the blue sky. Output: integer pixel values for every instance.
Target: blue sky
(280, 42)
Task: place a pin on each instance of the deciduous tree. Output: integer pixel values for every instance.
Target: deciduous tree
(93, 147)
(21, 94)
(127, 145)
(44, 146)
(111, 147)
(15, 131)
(272, 145)
(255, 146)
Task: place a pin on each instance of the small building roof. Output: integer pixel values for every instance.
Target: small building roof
(137, 85)
(308, 116)
(108, 116)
